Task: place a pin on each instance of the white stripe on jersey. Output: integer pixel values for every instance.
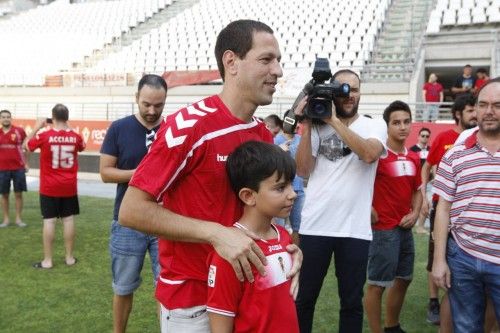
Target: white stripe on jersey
(221, 312)
(202, 140)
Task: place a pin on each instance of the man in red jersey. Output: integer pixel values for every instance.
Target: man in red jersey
(464, 113)
(395, 209)
(12, 167)
(59, 147)
(185, 172)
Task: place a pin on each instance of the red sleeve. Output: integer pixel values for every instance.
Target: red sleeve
(169, 158)
(35, 142)
(436, 151)
(81, 143)
(224, 289)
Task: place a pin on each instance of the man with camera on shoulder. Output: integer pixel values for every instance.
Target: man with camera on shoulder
(339, 152)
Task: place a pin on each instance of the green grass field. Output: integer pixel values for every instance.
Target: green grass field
(78, 298)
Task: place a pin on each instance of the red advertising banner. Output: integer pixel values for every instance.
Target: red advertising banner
(92, 131)
(433, 127)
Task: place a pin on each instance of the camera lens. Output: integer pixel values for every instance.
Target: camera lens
(319, 108)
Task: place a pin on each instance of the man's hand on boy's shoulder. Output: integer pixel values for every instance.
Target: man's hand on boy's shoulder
(294, 273)
(238, 247)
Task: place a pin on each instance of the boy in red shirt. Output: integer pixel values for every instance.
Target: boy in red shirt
(261, 175)
(59, 146)
(395, 209)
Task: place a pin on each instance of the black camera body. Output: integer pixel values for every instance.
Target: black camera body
(319, 104)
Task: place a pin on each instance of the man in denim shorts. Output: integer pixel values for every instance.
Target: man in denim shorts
(12, 167)
(125, 144)
(396, 205)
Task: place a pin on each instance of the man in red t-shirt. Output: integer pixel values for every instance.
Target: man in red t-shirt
(12, 167)
(185, 172)
(432, 92)
(481, 79)
(395, 209)
(464, 113)
(59, 146)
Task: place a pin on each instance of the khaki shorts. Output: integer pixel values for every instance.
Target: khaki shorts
(186, 320)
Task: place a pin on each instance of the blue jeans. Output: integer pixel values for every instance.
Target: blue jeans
(128, 248)
(471, 279)
(351, 257)
(391, 256)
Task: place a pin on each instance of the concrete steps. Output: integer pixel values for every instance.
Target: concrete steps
(397, 44)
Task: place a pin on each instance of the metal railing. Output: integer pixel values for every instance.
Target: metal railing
(113, 111)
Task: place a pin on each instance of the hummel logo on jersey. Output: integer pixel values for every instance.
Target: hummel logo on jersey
(182, 121)
(221, 158)
(275, 247)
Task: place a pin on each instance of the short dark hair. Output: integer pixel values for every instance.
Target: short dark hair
(395, 106)
(346, 71)
(60, 112)
(467, 66)
(237, 36)
(254, 161)
(152, 80)
(6, 111)
(482, 70)
(275, 119)
(460, 104)
(424, 129)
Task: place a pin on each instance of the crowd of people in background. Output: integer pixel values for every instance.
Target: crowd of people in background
(467, 84)
(210, 191)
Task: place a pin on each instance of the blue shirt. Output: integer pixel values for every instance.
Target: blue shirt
(127, 140)
(298, 182)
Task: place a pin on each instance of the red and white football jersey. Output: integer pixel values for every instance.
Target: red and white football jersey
(11, 153)
(397, 178)
(185, 171)
(264, 305)
(58, 161)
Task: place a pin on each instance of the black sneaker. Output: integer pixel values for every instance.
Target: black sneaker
(395, 329)
(433, 314)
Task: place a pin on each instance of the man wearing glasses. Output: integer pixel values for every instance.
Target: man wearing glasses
(464, 114)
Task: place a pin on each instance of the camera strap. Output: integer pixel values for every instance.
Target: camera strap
(289, 122)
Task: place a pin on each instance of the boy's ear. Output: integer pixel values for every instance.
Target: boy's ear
(247, 196)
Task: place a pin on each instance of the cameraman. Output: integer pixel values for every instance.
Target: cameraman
(339, 155)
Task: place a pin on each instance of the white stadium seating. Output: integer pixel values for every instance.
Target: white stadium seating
(52, 38)
(306, 32)
(449, 13)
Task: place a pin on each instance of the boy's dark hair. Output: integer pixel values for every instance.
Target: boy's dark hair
(60, 112)
(393, 107)
(275, 119)
(6, 111)
(254, 161)
(481, 70)
(237, 36)
(460, 104)
(424, 129)
(152, 80)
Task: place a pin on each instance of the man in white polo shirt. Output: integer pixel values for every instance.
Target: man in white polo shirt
(468, 183)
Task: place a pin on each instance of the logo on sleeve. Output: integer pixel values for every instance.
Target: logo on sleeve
(212, 271)
(182, 121)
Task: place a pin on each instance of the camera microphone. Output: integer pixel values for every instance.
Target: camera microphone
(290, 119)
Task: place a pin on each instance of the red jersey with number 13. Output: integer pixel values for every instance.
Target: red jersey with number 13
(58, 161)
